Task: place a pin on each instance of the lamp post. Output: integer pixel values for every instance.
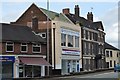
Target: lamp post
(47, 38)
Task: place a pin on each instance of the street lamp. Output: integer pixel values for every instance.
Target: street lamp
(47, 38)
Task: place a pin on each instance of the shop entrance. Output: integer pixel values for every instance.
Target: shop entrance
(70, 66)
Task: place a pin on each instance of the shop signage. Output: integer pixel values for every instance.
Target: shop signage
(73, 52)
(7, 58)
(70, 32)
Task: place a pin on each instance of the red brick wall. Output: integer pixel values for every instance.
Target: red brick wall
(17, 49)
(27, 16)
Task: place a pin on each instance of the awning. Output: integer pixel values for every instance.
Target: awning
(34, 61)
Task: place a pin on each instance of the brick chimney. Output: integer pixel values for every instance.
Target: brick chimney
(66, 11)
(35, 23)
(77, 10)
(90, 16)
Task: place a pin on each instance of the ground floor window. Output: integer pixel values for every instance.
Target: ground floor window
(7, 70)
(29, 71)
(70, 66)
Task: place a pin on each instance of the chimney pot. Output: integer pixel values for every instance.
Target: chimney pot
(77, 10)
(66, 11)
(90, 16)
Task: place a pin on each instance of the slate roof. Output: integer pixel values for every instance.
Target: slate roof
(52, 15)
(84, 22)
(18, 33)
(108, 46)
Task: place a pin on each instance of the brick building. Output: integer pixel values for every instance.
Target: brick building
(23, 53)
(93, 38)
(64, 38)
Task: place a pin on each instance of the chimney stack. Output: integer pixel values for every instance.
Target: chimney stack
(90, 16)
(66, 11)
(77, 10)
(34, 23)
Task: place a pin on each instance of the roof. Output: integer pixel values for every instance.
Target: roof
(108, 46)
(84, 22)
(52, 15)
(18, 33)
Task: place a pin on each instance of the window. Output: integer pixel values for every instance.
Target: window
(117, 54)
(24, 47)
(36, 48)
(70, 41)
(107, 53)
(84, 33)
(110, 63)
(76, 41)
(114, 63)
(110, 53)
(63, 39)
(9, 47)
(43, 35)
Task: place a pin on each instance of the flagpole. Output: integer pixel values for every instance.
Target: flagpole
(48, 38)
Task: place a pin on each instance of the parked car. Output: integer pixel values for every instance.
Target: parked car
(117, 68)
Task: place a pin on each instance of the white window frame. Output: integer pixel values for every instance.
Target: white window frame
(9, 44)
(42, 34)
(37, 45)
(24, 45)
(78, 41)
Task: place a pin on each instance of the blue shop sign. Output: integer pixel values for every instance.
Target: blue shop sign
(7, 59)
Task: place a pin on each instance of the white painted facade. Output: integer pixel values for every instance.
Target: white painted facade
(68, 59)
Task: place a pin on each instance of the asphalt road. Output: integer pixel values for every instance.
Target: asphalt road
(92, 76)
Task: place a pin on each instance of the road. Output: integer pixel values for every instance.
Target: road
(106, 75)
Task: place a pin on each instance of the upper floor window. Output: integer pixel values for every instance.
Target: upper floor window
(84, 33)
(76, 41)
(70, 41)
(9, 47)
(63, 39)
(24, 47)
(43, 35)
(107, 53)
(110, 53)
(117, 54)
(36, 48)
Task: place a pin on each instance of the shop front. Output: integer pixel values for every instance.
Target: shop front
(70, 61)
(32, 66)
(7, 66)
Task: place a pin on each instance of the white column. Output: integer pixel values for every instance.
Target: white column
(17, 71)
(71, 66)
(42, 70)
(76, 66)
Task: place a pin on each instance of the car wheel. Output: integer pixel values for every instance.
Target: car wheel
(114, 70)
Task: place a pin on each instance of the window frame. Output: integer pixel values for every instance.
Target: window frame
(36, 45)
(76, 37)
(24, 45)
(10, 44)
(70, 42)
(63, 39)
(44, 34)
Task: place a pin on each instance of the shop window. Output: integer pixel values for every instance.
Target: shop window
(9, 47)
(70, 41)
(24, 47)
(76, 41)
(63, 39)
(36, 48)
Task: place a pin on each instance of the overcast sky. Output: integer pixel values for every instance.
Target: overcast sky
(103, 10)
